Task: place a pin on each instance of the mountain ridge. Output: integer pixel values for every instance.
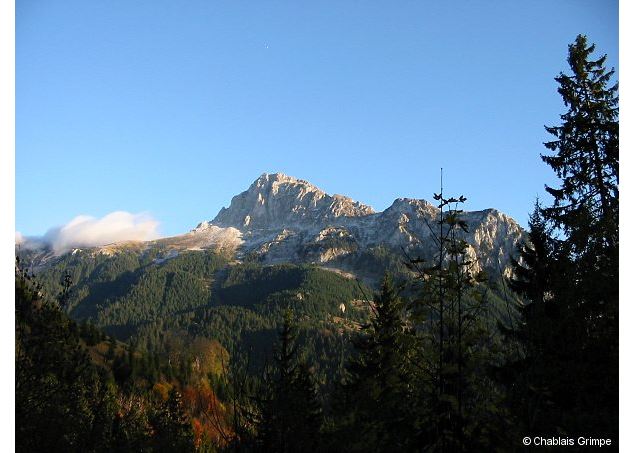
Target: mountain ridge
(267, 200)
(280, 218)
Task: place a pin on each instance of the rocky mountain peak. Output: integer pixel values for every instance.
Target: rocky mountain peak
(275, 200)
(411, 205)
(280, 218)
(279, 178)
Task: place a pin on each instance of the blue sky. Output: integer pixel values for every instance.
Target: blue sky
(172, 108)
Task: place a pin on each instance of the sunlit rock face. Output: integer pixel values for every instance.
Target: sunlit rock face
(275, 200)
(285, 219)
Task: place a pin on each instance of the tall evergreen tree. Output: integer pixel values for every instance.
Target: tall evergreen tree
(587, 153)
(457, 400)
(290, 414)
(586, 205)
(375, 410)
(528, 372)
(567, 373)
(586, 209)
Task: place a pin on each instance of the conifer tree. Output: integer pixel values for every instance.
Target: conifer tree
(569, 273)
(457, 400)
(534, 348)
(586, 209)
(587, 153)
(531, 270)
(375, 411)
(290, 414)
(586, 205)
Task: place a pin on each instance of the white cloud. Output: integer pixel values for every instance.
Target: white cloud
(86, 231)
(19, 239)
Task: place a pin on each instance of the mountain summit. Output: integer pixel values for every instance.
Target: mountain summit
(280, 218)
(275, 200)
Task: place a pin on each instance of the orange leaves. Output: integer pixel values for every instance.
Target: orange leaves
(210, 418)
(199, 432)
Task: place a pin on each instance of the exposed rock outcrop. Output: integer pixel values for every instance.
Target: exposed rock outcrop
(281, 218)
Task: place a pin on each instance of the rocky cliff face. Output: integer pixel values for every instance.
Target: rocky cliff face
(284, 219)
(275, 200)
